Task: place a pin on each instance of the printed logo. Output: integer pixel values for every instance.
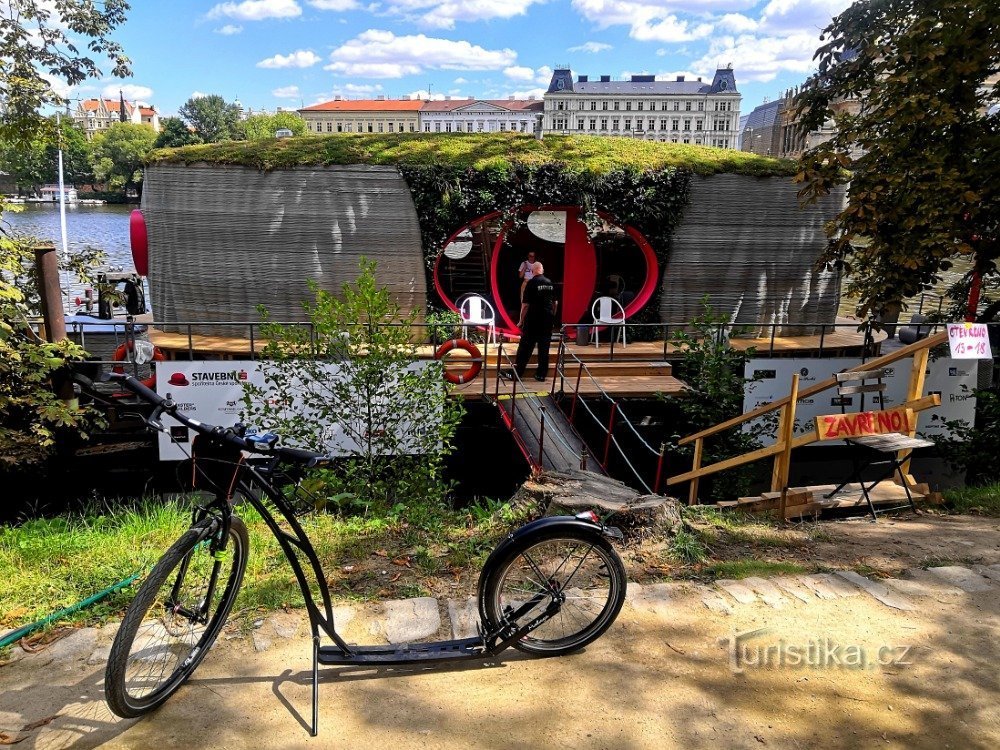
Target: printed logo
(179, 379)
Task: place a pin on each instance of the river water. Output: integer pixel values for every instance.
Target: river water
(101, 227)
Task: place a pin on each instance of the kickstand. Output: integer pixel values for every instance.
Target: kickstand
(315, 687)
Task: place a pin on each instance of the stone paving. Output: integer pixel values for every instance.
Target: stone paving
(410, 620)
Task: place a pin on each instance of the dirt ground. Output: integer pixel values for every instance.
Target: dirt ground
(664, 676)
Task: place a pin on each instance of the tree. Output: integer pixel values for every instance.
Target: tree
(76, 155)
(213, 118)
(38, 43)
(391, 414)
(27, 163)
(263, 127)
(923, 152)
(119, 153)
(175, 132)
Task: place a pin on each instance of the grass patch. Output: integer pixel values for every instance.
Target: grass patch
(54, 563)
(746, 568)
(595, 154)
(980, 501)
(688, 547)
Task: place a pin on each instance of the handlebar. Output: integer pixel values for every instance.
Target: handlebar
(215, 432)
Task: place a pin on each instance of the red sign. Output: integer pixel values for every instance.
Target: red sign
(840, 426)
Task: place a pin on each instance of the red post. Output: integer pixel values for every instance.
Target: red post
(974, 290)
(659, 469)
(611, 429)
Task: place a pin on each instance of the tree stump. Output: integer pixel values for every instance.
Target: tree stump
(568, 493)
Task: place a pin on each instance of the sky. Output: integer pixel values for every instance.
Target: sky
(291, 53)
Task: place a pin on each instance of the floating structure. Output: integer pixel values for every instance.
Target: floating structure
(661, 228)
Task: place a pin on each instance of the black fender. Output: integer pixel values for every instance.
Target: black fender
(547, 524)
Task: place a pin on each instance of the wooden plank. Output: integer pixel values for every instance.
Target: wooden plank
(850, 390)
(847, 377)
(918, 376)
(886, 359)
(863, 423)
(729, 463)
(695, 467)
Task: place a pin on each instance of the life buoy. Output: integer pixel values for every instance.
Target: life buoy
(474, 367)
(121, 354)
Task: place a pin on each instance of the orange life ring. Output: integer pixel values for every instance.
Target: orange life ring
(121, 354)
(465, 345)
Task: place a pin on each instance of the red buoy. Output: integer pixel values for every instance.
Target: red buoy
(139, 241)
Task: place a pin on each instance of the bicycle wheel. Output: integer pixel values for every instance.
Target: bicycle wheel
(581, 568)
(175, 617)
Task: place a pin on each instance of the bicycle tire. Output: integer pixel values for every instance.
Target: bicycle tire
(171, 641)
(582, 565)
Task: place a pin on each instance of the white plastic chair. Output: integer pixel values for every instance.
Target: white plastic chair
(477, 311)
(607, 311)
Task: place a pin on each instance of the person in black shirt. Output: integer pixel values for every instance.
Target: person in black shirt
(538, 316)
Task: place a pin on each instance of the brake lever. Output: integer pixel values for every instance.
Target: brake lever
(154, 419)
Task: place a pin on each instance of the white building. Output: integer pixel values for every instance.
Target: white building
(97, 115)
(480, 115)
(678, 111)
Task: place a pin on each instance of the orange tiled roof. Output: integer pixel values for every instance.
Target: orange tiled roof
(366, 105)
(112, 105)
(147, 111)
(515, 105)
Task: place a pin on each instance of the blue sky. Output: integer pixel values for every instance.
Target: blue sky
(272, 53)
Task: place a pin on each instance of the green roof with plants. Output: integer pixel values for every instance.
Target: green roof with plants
(598, 155)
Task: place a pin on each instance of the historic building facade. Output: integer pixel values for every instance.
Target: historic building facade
(678, 111)
(97, 115)
(480, 115)
(363, 116)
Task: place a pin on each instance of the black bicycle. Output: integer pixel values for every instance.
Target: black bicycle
(549, 588)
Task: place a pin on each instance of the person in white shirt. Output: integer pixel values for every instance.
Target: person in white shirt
(525, 271)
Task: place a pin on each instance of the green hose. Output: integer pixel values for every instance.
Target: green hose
(16, 635)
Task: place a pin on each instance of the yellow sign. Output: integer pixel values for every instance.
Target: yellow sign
(840, 426)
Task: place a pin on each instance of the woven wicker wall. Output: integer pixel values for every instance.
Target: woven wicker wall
(223, 239)
(745, 243)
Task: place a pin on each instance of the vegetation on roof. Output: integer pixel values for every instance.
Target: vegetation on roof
(598, 155)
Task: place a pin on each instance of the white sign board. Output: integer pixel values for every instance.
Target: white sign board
(969, 341)
(953, 379)
(212, 392)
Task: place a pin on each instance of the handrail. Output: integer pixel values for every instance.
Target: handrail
(874, 364)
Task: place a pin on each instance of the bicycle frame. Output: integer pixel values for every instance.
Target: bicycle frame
(295, 541)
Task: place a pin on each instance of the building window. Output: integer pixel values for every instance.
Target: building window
(604, 123)
(340, 128)
(614, 124)
(593, 105)
(447, 127)
(503, 126)
(579, 124)
(581, 104)
(413, 127)
(616, 105)
(628, 106)
(639, 106)
(427, 127)
(559, 105)
(468, 126)
(687, 124)
(593, 123)
(676, 125)
(697, 124)
(628, 124)
(652, 124)
(380, 127)
(437, 127)
(329, 127)
(370, 130)
(604, 106)
(701, 106)
(687, 106)
(677, 106)
(687, 140)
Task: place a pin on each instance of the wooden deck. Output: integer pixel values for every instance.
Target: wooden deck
(802, 502)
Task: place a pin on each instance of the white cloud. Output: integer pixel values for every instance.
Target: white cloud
(529, 75)
(256, 10)
(198, 94)
(362, 88)
(339, 5)
(527, 94)
(443, 14)
(286, 92)
(382, 54)
(229, 29)
(736, 23)
(302, 58)
(460, 80)
(423, 94)
(131, 91)
(757, 58)
(800, 16)
(591, 47)
(656, 20)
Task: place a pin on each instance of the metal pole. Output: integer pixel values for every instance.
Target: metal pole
(611, 429)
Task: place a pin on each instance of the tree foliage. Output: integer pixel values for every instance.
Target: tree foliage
(119, 153)
(389, 412)
(212, 117)
(39, 43)
(923, 152)
(174, 132)
(262, 127)
(34, 162)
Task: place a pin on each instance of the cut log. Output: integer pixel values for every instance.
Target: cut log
(569, 493)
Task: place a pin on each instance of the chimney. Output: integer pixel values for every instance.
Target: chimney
(337, 98)
(680, 79)
(531, 97)
(510, 98)
(583, 79)
(605, 79)
(699, 79)
(380, 98)
(404, 98)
